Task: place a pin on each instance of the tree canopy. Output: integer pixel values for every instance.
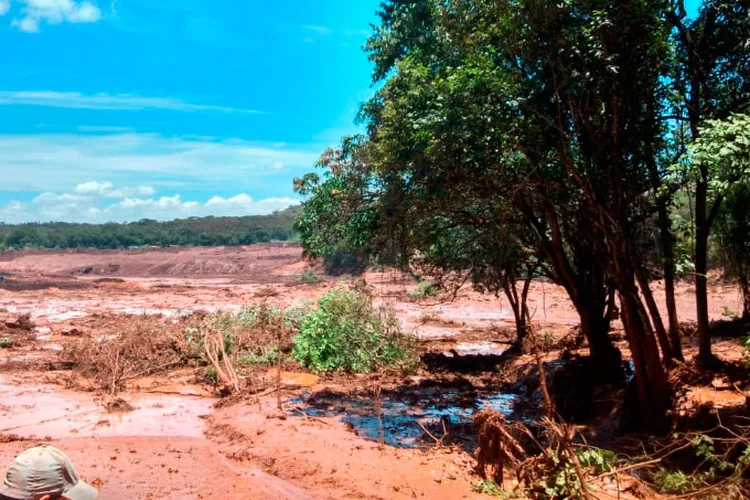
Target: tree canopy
(514, 138)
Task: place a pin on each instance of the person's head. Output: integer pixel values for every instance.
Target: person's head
(44, 473)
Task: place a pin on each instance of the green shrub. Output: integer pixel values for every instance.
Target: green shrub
(424, 289)
(600, 460)
(308, 276)
(268, 356)
(491, 488)
(674, 483)
(345, 333)
(6, 343)
(262, 315)
(210, 376)
(561, 481)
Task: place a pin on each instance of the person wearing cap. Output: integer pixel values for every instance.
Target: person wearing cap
(44, 473)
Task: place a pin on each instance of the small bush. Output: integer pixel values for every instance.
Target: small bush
(268, 356)
(491, 488)
(6, 343)
(254, 336)
(210, 376)
(308, 276)
(727, 312)
(263, 315)
(345, 333)
(673, 483)
(424, 289)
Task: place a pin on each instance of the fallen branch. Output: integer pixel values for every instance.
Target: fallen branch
(302, 413)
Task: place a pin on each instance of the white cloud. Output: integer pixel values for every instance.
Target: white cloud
(318, 30)
(27, 25)
(103, 128)
(4, 7)
(108, 190)
(35, 12)
(313, 33)
(88, 204)
(60, 162)
(103, 101)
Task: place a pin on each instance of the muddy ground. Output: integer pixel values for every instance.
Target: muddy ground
(176, 443)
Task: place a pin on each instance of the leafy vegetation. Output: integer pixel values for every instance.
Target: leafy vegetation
(674, 482)
(308, 276)
(6, 342)
(714, 466)
(491, 488)
(732, 230)
(509, 140)
(345, 333)
(207, 231)
(424, 289)
(268, 357)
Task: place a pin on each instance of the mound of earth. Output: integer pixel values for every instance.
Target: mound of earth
(255, 263)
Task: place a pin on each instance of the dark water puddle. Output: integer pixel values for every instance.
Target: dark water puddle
(404, 409)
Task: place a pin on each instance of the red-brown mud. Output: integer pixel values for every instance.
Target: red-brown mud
(175, 444)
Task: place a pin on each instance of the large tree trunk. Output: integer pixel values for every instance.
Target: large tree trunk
(745, 287)
(701, 268)
(605, 356)
(518, 303)
(656, 321)
(586, 287)
(651, 379)
(667, 246)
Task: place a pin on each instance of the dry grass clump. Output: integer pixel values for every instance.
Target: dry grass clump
(142, 345)
(118, 405)
(498, 445)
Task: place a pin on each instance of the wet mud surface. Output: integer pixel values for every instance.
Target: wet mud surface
(334, 438)
(406, 415)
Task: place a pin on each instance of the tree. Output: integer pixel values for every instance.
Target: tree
(733, 231)
(569, 93)
(711, 79)
(549, 129)
(720, 159)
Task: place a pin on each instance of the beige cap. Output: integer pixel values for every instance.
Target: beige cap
(44, 470)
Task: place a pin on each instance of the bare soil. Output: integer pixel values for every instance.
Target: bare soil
(167, 439)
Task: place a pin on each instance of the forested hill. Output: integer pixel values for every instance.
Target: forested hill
(205, 231)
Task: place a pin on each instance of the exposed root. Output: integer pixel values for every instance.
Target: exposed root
(497, 448)
(221, 362)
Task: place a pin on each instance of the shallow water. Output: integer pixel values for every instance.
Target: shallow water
(48, 411)
(402, 414)
(479, 349)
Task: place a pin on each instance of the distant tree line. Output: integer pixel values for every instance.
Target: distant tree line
(204, 231)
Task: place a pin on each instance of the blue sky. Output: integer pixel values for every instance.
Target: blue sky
(123, 109)
(116, 110)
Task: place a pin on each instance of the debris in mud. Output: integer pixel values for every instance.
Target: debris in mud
(145, 346)
(406, 412)
(73, 332)
(454, 362)
(497, 447)
(267, 292)
(118, 405)
(13, 438)
(22, 323)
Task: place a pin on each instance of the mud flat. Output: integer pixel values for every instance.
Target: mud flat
(170, 440)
